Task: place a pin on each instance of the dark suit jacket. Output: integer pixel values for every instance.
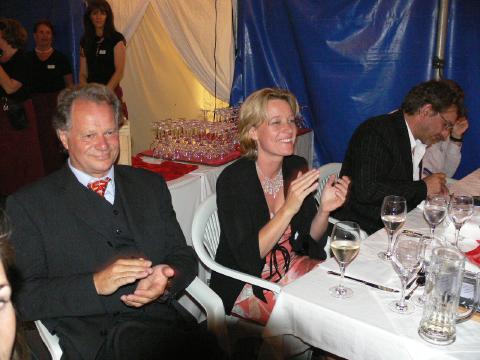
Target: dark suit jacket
(242, 212)
(60, 243)
(379, 162)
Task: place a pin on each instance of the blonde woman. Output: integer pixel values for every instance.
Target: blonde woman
(267, 213)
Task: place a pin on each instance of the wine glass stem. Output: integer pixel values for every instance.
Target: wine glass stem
(432, 230)
(457, 235)
(390, 244)
(402, 299)
(342, 274)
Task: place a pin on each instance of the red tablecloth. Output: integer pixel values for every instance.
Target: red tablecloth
(169, 170)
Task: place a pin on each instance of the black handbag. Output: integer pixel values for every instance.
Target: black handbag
(15, 113)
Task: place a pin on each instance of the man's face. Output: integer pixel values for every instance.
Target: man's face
(92, 142)
(436, 126)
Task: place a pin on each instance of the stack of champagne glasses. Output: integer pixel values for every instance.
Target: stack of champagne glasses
(205, 140)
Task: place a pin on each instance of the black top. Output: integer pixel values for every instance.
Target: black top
(100, 57)
(379, 162)
(47, 76)
(17, 68)
(242, 212)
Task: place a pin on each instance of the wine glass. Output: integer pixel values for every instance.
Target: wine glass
(406, 261)
(429, 243)
(345, 245)
(435, 211)
(460, 210)
(393, 214)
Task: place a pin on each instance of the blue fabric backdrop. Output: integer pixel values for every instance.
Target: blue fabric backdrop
(65, 15)
(349, 60)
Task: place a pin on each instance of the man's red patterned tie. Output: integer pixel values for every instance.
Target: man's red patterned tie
(99, 186)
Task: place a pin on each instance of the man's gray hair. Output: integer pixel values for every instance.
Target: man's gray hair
(97, 93)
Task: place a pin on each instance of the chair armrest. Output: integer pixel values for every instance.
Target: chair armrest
(210, 302)
(250, 279)
(50, 341)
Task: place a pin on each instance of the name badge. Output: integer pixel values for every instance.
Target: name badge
(51, 66)
(102, 52)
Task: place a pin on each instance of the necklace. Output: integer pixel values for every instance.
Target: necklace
(271, 186)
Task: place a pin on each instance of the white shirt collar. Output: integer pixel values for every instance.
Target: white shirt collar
(418, 150)
(84, 179)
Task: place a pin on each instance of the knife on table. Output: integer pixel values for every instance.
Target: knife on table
(376, 286)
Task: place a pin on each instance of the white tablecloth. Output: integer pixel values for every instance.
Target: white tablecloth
(363, 327)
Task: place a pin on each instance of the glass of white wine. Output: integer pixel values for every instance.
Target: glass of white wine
(435, 210)
(393, 214)
(345, 245)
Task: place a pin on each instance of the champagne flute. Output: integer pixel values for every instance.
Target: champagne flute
(460, 210)
(406, 261)
(393, 214)
(435, 211)
(345, 245)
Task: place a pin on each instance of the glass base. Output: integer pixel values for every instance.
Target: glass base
(341, 292)
(419, 300)
(396, 307)
(384, 256)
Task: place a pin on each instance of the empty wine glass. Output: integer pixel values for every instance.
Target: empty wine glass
(393, 214)
(429, 243)
(460, 210)
(435, 210)
(345, 245)
(406, 261)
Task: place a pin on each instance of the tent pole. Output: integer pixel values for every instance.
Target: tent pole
(438, 60)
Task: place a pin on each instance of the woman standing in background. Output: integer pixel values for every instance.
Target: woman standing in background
(50, 72)
(20, 160)
(102, 52)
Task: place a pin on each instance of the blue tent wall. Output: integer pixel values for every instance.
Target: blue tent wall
(65, 15)
(350, 60)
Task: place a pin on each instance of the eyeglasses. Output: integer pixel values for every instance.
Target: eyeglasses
(446, 124)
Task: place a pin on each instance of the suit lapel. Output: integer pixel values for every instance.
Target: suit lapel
(81, 200)
(404, 143)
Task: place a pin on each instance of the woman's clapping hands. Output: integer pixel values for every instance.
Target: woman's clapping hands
(334, 193)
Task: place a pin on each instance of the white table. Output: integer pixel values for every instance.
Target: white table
(363, 327)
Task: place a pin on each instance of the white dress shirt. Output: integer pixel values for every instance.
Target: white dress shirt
(418, 150)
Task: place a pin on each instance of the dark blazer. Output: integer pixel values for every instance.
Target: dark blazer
(60, 242)
(242, 212)
(379, 162)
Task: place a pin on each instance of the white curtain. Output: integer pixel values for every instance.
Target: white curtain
(201, 31)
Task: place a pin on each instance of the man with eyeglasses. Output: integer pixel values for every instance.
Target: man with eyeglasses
(444, 156)
(384, 156)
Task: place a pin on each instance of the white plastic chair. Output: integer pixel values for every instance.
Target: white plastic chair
(205, 238)
(210, 302)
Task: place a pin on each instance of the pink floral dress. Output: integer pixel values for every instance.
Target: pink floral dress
(248, 306)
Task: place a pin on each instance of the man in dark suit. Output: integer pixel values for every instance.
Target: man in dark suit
(102, 268)
(385, 152)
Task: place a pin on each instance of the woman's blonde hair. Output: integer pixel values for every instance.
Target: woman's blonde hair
(253, 113)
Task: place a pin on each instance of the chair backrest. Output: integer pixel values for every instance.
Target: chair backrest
(205, 239)
(325, 171)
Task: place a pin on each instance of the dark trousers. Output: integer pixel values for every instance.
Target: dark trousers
(146, 337)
